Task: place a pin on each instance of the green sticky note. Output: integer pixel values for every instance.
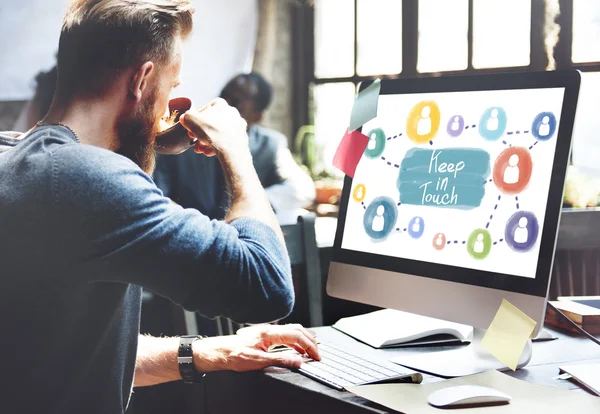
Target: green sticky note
(365, 105)
(508, 334)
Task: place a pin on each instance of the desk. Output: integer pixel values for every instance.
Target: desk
(283, 391)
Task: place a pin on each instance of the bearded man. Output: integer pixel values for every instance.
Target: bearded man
(83, 227)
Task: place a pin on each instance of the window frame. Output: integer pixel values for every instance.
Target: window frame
(303, 28)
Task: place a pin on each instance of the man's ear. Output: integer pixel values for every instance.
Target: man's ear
(139, 80)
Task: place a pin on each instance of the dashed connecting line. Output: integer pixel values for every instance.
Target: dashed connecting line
(456, 242)
(517, 200)
(499, 241)
(472, 126)
(390, 163)
(362, 203)
(492, 215)
(517, 132)
(394, 137)
(534, 144)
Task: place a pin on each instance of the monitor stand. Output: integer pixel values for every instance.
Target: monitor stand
(460, 361)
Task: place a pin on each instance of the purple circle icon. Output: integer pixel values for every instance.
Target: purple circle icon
(456, 125)
(522, 231)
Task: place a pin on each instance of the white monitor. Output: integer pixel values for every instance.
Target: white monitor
(455, 203)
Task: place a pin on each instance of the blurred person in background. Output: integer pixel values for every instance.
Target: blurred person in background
(198, 182)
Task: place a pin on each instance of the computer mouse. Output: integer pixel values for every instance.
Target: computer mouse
(467, 395)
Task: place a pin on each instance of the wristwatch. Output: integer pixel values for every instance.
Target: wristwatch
(185, 359)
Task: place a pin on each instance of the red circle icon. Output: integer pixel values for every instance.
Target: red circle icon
(512, 170)
(439, 241)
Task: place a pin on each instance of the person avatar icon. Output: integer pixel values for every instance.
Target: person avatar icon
(544, 130)
(416, 227)
(439, 241)
(372, 142)
(492, 123)
(521, 233)
(511, 173)
(424, 125)
(359, 193)
(455, 124)
(379, 221)
(478, 247)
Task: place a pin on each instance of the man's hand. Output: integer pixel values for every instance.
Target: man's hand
(218, 127)
(249, 350)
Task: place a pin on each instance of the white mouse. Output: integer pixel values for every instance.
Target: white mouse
(467, 395)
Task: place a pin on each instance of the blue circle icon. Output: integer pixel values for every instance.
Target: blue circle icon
(544, 126)
(416, 227)
(492, 123)
(522, 231)
(380, 218)
(456, 126)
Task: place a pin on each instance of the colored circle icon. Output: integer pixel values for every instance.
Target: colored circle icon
(456, 126)
(359, 192)
(380, 218)
(512, 170)
(439, 241)
(423, 122)
(544, 126)
(522, 230)
(479, 244)
(492, 123)
(376, 143)
(416, 227)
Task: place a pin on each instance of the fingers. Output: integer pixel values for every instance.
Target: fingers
(309, 334)
(280, 359)
(203, 147)
(295, 338)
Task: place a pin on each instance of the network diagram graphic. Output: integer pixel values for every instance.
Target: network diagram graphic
(456, 178)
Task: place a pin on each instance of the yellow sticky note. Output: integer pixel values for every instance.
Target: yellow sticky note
(508, 334)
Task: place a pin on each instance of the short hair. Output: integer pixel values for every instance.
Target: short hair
(101, 38)
(254, 86)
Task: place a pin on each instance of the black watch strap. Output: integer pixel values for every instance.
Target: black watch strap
(185, 359)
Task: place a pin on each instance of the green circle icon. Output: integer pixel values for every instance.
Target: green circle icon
(479, 244)
(376, 143)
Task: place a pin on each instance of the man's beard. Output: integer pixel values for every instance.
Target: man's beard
(137, 134)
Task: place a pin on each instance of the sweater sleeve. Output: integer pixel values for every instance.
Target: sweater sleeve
(119, 227)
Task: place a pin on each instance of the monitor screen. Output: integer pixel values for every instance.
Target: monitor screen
(457, 178)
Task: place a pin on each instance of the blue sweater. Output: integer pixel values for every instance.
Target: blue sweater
(81, 230)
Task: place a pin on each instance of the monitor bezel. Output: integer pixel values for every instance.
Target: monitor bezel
(538, 286)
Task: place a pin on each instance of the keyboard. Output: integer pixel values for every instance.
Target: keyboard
(340, 368)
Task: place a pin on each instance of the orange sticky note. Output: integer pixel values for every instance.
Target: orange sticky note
(350, 150)
(508, 334)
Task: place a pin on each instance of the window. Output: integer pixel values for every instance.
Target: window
(501, 33)
(443, 35)
(379, 37)
(356, 40)
(586, 31)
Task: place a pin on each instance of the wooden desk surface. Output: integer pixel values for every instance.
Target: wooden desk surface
(283, 391)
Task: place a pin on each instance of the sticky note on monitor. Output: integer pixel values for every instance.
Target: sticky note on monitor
(365, 105)
(508, 334)
(350, 151)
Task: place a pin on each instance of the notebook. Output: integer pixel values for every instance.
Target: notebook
(392, 328)
(586, 374)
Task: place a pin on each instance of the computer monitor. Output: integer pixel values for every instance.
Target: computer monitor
(456, 201)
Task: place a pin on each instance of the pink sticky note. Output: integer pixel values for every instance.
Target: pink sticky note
(349, 152)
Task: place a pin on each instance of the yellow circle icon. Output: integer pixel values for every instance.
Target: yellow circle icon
(359, 193)
(423, 122)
